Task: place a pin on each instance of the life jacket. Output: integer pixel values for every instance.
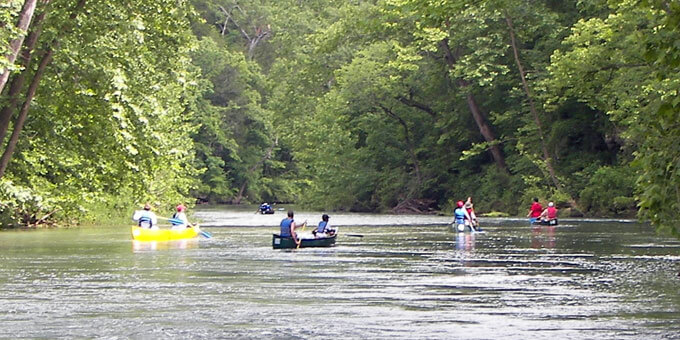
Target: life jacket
(145, 222)
(552, 213)
(285, 227)
(459, 215)
(322, 227)
(176, 220)
(144, 218)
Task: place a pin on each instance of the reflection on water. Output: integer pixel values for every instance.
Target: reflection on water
(139, 246)
(581, 280)
(465, 241)
(543, 236)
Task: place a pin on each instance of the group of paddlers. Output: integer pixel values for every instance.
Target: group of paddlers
(146, 218)
(538, 215)
(464, 217)
(288, 227)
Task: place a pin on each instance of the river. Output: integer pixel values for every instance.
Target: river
(408, 277)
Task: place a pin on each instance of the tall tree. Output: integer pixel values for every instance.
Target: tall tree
(113, 126)
(25, 17)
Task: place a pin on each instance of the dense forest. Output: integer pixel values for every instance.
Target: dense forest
(361, 105)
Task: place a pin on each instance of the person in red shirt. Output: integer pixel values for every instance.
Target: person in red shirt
(535, 211)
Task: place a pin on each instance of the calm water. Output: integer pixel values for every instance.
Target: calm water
(409, 277)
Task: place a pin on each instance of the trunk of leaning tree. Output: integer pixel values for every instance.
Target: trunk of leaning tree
(19, 124)
(18, 82)
(25, 17)
(32, 89)
(477, 113)
(532, 107)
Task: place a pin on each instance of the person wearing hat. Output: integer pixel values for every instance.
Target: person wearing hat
(460, 215)
(471, 211)
(323, 229)
(549, 214)
(180, 216)
(146, 218)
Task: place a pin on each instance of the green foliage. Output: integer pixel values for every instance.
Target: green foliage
(21, 206)
(352, 106)
(609, 192)
(9, 11)
(109, 127)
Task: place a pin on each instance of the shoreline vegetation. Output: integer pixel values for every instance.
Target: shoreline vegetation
(400, 106)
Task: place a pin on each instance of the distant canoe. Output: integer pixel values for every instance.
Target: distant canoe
(146, 234)
(551, 222)
(279, 242)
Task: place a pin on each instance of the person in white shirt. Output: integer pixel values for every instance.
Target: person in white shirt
(146, 218)
(180, 215)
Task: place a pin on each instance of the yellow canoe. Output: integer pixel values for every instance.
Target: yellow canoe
(145, 234)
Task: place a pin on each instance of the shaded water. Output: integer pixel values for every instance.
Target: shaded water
(409, 277)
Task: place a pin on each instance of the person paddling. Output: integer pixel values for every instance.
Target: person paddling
(535, 211)
(469, 207)
(180, 218)
(323, 228)
(549, 214)
(146, 218)
(288, 227)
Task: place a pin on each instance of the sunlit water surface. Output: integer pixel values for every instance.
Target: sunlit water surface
(408, 277)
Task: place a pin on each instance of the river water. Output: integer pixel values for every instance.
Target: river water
(408, 277)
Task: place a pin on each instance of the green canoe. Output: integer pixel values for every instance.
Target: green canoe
(279, 242)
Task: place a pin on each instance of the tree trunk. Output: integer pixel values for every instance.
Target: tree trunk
(18, 81)
(25, 17)
(32, 89)
(477, 113)
(19, 124)
(532, 107)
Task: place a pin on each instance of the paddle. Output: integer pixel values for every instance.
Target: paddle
(472, 226)
(177, 221)
(354, 235)
(300, 240)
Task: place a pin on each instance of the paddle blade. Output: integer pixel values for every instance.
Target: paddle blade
(206, 234)
(175, 221)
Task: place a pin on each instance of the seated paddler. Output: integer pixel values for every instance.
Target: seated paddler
(288, 227)
(323, 229)
(179, 219)
(265, 207)
(146, 218)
